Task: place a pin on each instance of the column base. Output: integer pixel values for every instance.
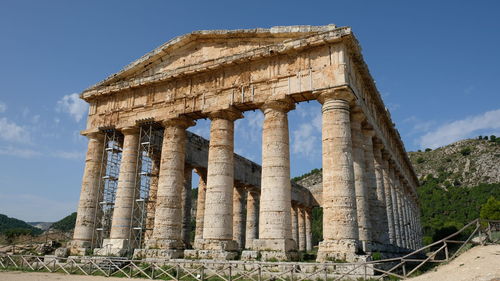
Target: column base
(165, 244)
(345, 250)
(164, 254)
(113, 247)
(272, 250)
(79, 247)
(213, 249)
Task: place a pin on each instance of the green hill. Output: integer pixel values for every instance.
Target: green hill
(65, 224)
(10, 225)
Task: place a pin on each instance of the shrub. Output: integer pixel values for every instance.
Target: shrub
(491, 209)
(466, 151)
(428, 149)
(420, 160)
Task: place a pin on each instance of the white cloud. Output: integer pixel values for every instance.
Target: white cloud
(70, 155)
(460, 129)
(18, 152)
(305, 139)
(73, 105)
(3, 107)
(10, 131)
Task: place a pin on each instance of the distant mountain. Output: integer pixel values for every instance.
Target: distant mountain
(40, 224)
(8, 224)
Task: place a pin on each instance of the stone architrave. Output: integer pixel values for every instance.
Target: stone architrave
(360, 185)
(84, 226)
(218, 221)
(382, 224)
(239, 216)
(275, 235)
(340, 234)
(166, 241)
(252, 223)
(118, 242)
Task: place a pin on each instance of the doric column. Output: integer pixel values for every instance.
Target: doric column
(171, 182)
(121, 222)
(358, 158)
(301, 228)
(275, 198)
(151, 205)
(395, 205)
(295, 224)
(186, 206)
(218, 224)
(399, 200)
(388, 198)
(383, 228)
(200, 205)
(371, 183)
(308, 230)
(84, 226)
(340, 231)
(252, 228)
(407, 220)
(239, 216)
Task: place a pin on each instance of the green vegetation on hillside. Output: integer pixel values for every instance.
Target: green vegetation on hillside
(11, 227)
(65, 224)
(445, 210)
(312, 172)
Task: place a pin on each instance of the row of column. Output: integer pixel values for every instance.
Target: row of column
(301, 227)
(366, 200)
(369, 203)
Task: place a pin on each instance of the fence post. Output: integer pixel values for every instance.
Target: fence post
(326, 273)
(260, 273)
(293, 270)
(230, 273)
(203, 272)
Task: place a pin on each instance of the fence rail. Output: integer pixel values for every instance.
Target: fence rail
(482, 232)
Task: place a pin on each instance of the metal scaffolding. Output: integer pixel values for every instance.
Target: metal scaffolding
(108, 173)
(148, 157)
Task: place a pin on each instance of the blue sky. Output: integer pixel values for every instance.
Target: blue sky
(435, 63)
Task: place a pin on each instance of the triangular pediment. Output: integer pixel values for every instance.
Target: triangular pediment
(202, 46)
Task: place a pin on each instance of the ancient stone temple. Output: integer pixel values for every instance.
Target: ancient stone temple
(135, 196)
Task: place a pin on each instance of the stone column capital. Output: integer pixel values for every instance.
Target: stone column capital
(368, 132)
(179, 122)
(230, 114)
(129, 130)
(357, 117)
(378, 145)
(340, 93)
(283, 105)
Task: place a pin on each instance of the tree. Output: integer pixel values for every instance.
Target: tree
(493, 138)
(485, 138)
(480, 137)
(428, 149)
(491, 209)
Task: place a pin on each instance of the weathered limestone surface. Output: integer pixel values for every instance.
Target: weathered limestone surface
(218, 222)
(382, 224)
(239, 216)
(308, 227)
(84, 226)
(339, 198)
(275, 200)
(186, 206)
(360, 184)
(252, 222)
(219, 75)
(167, 232)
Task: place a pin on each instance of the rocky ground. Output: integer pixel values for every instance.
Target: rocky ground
(480, 263)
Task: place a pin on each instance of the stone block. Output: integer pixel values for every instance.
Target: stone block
(158, 254)
(284, 245)
(112, 247)
(249, 255)
(61, 252)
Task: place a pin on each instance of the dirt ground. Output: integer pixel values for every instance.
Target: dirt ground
(39, 276)
(477, 264)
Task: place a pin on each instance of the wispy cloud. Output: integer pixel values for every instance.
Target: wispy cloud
(3, 107)
(19, 152)
(306, 137)
(459, 129)
(70, 155)
(10, 131)
(73, 105)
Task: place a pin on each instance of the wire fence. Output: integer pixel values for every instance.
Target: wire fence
(476, 232)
